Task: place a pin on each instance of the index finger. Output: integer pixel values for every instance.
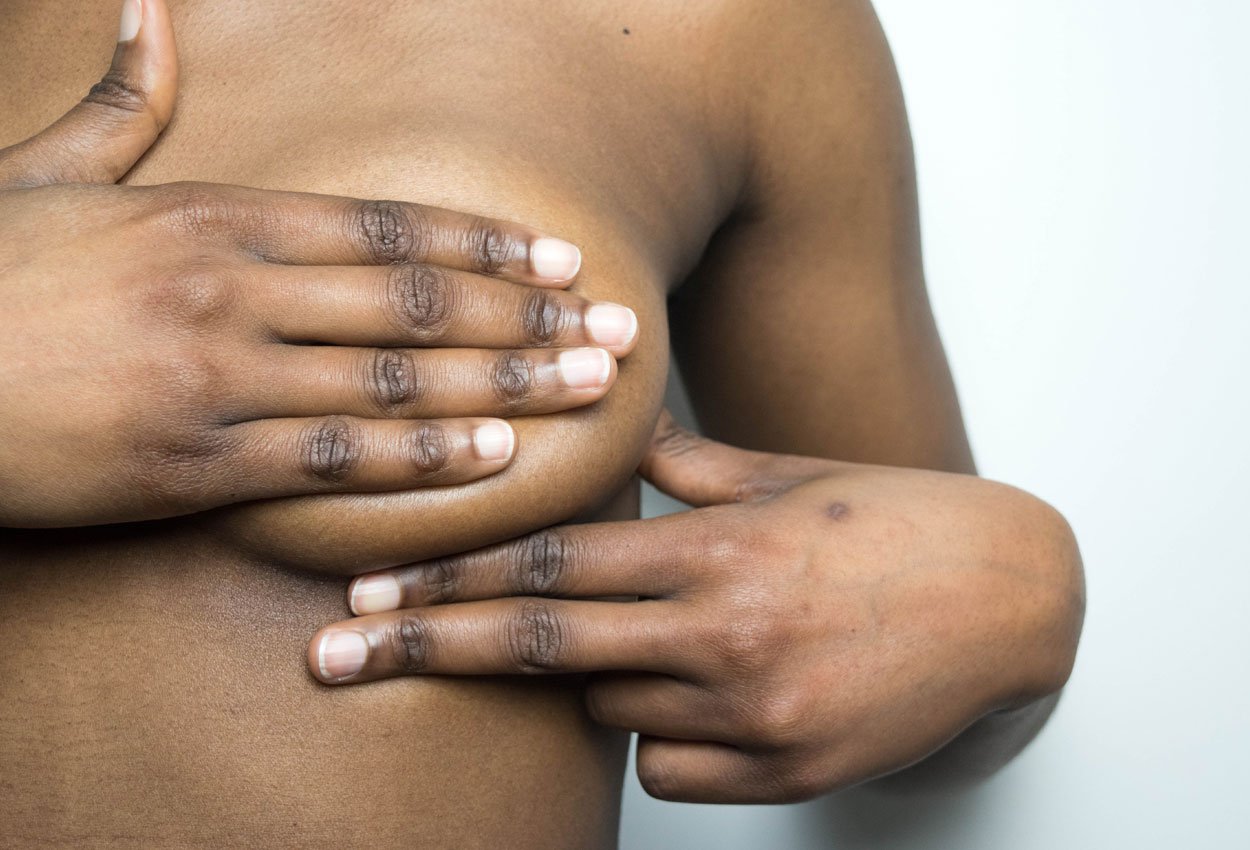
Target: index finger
(295, 228)
(497, 637)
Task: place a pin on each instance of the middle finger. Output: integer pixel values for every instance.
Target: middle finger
(407, 383)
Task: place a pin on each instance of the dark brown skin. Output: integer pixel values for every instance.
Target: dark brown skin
(772, 136)
(282, 329)
(812, 626)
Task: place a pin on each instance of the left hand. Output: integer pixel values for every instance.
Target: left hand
(817, 624)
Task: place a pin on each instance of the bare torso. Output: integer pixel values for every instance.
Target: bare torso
(154, 689)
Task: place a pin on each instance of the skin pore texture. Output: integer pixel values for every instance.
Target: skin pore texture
(174, 707)
(155, 689)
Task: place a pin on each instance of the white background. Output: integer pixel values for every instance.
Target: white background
(1084, 185)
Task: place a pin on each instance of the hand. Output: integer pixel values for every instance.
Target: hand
(169, 349)
(819, 625)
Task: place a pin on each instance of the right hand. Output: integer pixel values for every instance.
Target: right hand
(173, 348)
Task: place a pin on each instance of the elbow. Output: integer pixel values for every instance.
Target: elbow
(1056, 561)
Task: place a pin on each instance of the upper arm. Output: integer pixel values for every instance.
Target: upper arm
(806, 327)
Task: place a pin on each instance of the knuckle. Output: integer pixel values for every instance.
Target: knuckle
(747, 644)
(390, 232)
(536, 637)
(198, 296)
(512, 379)
(392, 380)
(431, 450)
(440, 581)
(779, 720)
(421, 300)
(541, 564)
(190, 381)
(179, 465)
(543, 318)
(331, 450)
(488, 247)
(117, 90)
(410, 643)
(725, 543)
(193, 209)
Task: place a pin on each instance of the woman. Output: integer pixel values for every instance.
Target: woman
(834, 624)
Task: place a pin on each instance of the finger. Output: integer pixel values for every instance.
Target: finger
(703, 772)
(277, 457)
(656, 705)
(321, 230)
(496, 637)
(300, 381)
(647, 558)
(702, 472)
(101, 138)
(423, 305)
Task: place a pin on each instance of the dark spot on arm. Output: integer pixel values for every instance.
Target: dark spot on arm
(626, 30)
(837, 511)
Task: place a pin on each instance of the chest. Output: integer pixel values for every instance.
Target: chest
(561, 115)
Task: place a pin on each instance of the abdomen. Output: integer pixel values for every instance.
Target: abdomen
(154, 694)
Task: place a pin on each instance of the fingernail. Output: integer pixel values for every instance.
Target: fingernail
(555, 259)
(494, 441)
(132, 16)
(611, 324)
(585, 368)
(342, 654)
(374, 594)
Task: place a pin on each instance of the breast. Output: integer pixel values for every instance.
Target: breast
(567, 464)
(157, 685)
(471, 130)
(476, 136)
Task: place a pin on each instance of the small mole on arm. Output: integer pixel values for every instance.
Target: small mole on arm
(836, 511)
(626, 30)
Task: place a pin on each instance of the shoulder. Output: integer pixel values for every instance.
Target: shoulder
(797, 97)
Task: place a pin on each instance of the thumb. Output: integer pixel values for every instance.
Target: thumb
(702, 472)
(101, 138)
